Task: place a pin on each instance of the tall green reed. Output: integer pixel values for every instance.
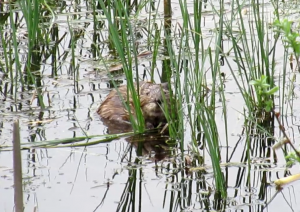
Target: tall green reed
(290, 39)
(31, 13)
(122, 36)
(173, 111)
(253, 67)
(18, 74)
(254, 51)
(190, 77)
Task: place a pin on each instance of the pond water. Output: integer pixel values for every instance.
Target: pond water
(112, 176)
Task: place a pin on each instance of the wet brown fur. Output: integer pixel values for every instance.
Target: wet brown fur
(151, 101)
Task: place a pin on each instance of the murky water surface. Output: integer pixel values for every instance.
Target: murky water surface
(111, 176)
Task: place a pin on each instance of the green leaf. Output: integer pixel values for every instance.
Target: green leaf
(272, 91)
(253, 82)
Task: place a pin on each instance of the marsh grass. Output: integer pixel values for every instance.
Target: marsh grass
(120, 32)
(196, 106)
(254, 54)
(31, 13)
(192, 66)
(83, 141)
(14, 76)
(258, 75)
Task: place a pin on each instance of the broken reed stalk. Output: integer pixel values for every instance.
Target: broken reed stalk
(286, 138)
(286, 180)
(17, 163)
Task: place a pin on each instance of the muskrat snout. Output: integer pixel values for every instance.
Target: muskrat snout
(159, 102)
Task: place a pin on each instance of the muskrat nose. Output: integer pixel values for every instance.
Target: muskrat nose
(158, 102)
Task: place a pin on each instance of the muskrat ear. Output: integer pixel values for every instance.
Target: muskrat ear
(165, 85)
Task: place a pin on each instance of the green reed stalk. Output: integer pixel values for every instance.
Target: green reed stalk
(75, 35)
(18, 73)
(175, 113)
(213, 144)
(156, 44)
(152, 26)
(176, 125)
(243, 61)
(290, 38)
(191, 86)
(119, 26)
(8, 68)
(130, 63)
(191, 73)
(31, 12)
(254, 53)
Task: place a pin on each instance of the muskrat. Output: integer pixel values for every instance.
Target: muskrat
(152, 98)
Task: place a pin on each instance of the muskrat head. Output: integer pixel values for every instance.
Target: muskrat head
(153, 97)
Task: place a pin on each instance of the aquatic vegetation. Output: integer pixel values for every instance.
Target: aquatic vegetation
(224, 67)
(290, 37)
(264, 93)
(292, 158)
